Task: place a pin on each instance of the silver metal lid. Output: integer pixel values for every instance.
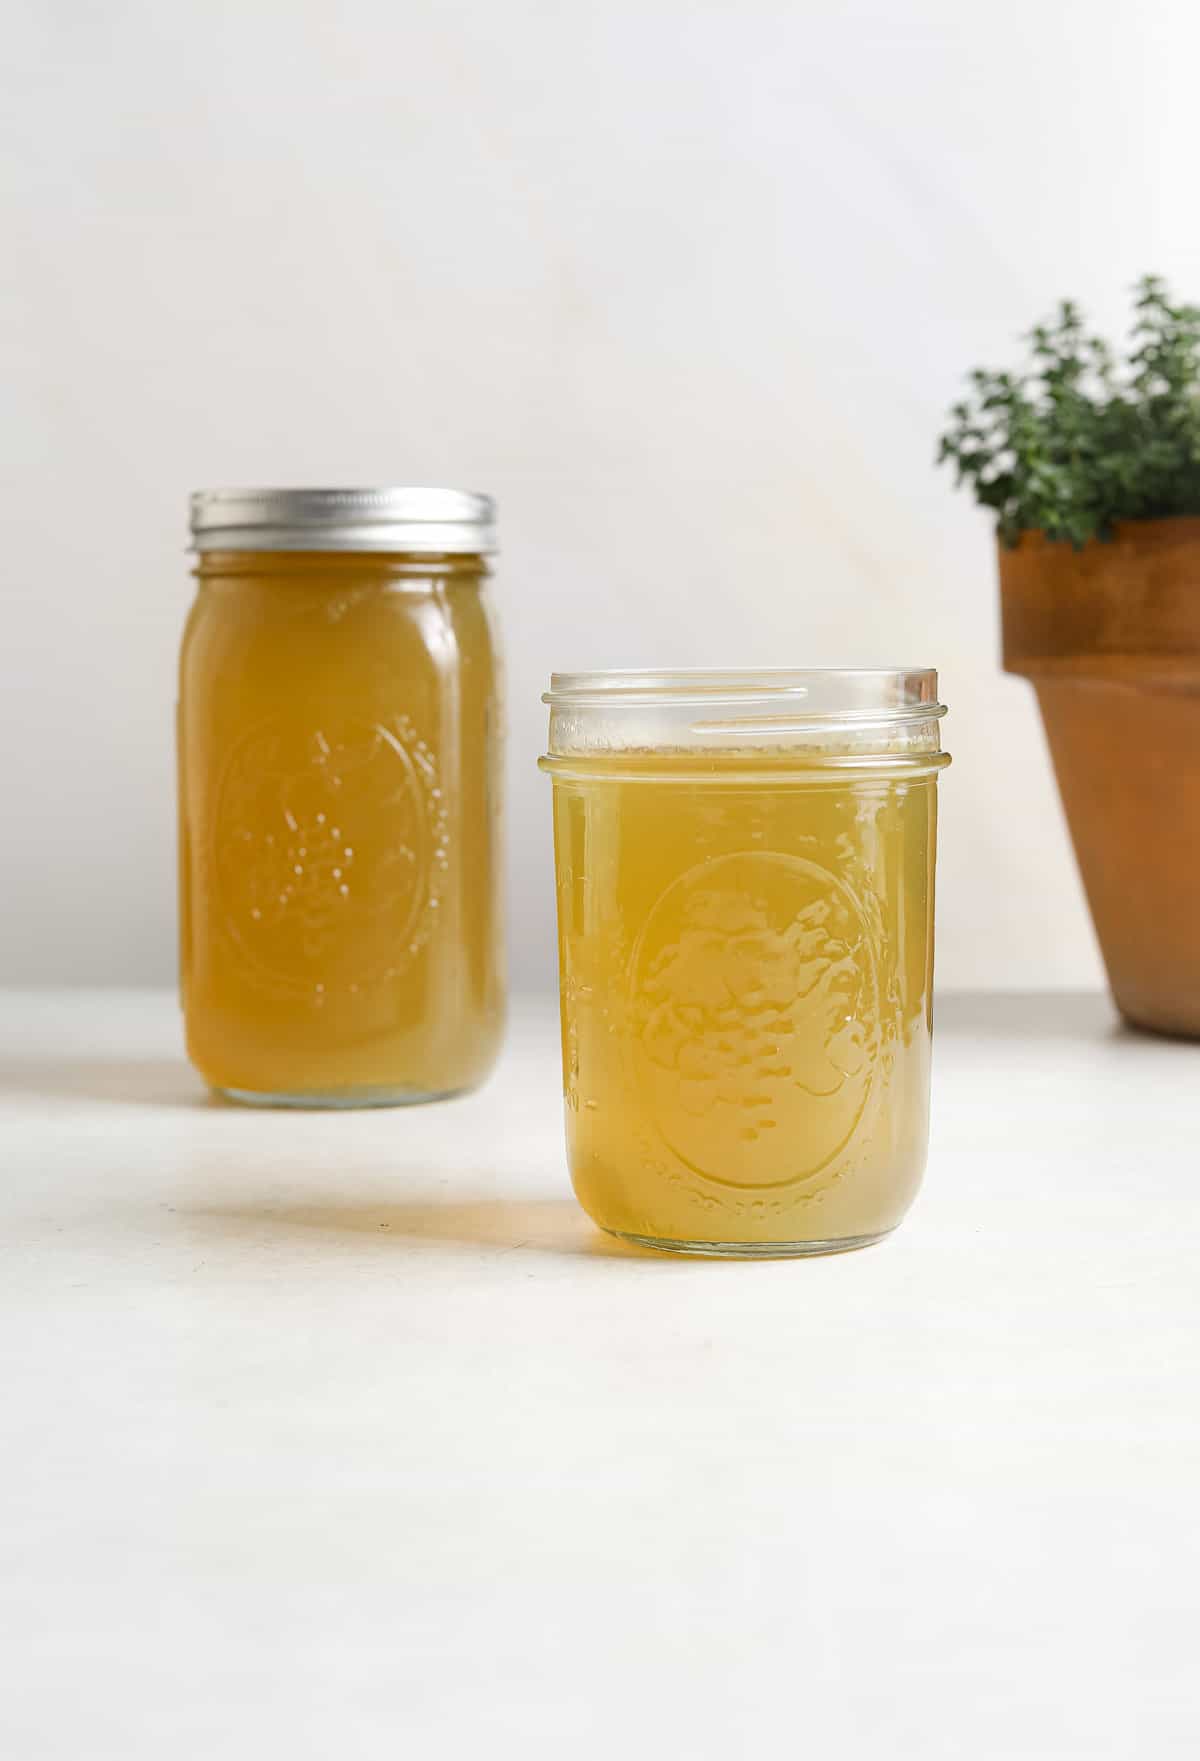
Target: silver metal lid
(424, 521)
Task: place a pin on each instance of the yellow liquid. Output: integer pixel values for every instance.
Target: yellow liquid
(338, 827)
(746, 963)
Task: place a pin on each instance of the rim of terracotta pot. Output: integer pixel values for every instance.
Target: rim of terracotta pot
(1124, 608)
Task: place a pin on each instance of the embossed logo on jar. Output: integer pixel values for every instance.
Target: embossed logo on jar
(756, 994)
(330, 847)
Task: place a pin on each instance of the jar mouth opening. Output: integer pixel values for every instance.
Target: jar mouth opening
(833, 720)
(807, 696)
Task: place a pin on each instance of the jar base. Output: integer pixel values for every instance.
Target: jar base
(751, 1250)
(337, 1100)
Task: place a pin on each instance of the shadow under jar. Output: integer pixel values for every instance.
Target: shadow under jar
(338, 797)
(745, 867)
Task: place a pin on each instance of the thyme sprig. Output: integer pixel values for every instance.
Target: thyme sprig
(1080, 439)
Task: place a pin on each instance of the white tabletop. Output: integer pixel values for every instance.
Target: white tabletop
(345, 1435)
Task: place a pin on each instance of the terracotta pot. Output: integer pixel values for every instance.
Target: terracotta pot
(1110, 636)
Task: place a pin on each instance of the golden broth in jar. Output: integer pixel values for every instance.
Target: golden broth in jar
(338, 825)
(745, 945)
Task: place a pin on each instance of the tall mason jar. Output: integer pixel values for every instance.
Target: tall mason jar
(338, 734)
(745, 866)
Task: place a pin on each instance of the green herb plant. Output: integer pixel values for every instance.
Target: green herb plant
(1081, 440)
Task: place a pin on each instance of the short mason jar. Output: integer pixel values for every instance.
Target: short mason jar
(338, 735)
(745, 867)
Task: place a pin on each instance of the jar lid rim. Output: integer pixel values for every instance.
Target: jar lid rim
(402, 518)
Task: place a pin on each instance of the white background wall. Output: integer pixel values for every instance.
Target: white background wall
(688, 286)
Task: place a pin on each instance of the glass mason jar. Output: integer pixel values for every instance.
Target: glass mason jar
(745, 908)
(339, 797)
